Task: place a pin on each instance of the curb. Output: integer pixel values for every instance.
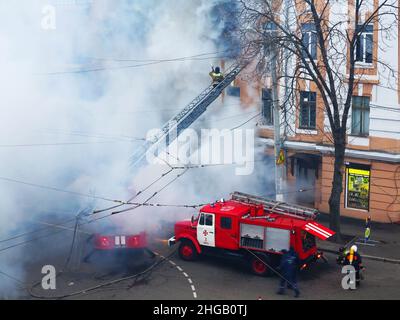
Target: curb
(381, 259)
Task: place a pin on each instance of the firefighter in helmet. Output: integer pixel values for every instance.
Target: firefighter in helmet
(216, 76)
(288, 268)
(354, 258)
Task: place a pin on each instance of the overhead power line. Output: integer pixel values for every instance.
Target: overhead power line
(135, 206)
(160, 60)
(20, 283)
(79, 194)
(137, 194)
(120, 203)
(119, 67)
(62, 144)
(64, 223)
(129, 201)
(129, 209)
(95, 212)
(247, 121)
(36, 231)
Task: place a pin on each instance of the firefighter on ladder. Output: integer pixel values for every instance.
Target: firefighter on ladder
(216, 76)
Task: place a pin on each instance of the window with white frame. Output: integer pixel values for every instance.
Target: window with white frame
(309, 40)
(364, 44)
(308, 110)
(360, 116)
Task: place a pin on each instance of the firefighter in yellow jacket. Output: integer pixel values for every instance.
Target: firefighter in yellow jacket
(354, 258)
(216, 76)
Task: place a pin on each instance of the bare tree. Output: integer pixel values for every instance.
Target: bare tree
(322, 39)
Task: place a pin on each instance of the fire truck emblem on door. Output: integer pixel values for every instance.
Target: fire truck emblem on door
(205, 232)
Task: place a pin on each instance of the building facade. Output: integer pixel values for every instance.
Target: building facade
(371, 185)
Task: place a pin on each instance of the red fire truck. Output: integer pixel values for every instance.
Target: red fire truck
(251, 228)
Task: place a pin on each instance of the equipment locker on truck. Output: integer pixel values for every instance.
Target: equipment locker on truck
(252, 228)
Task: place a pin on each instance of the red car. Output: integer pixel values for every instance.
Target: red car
(113, 248)
(120, 242)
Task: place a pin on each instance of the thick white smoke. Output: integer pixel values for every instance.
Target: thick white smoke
(76, 99)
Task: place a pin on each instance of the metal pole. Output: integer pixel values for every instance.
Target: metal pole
(286, 58)
(277, 123)
(75, 255)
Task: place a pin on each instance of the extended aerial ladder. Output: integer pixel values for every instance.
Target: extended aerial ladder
(171, 130)
(277, 207)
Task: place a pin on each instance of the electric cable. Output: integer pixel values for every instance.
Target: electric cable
(34, 231)
(94, 212)
(244, 123)
(62, 144)
(58, 189)
(139, 204)
(108, 283)
(20, 283)
(160, 60)
(111, 68)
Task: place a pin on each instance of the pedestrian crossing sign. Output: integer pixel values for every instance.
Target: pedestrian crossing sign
(281, 158)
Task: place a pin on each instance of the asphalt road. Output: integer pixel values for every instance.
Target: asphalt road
(208, 278)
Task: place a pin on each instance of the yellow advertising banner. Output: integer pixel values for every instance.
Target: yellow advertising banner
(358, 183)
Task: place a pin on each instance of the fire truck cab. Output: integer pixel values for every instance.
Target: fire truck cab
(252, 228)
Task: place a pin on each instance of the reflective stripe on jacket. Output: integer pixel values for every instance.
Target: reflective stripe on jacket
(216, 76)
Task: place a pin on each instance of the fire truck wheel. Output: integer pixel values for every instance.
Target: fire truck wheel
(187, 251)
(259, 265)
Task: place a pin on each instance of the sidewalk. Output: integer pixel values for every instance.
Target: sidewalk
(387, 236)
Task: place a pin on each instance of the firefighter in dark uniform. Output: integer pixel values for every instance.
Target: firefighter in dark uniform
(343, 252)
(216, 76)
(354, 258)
(288, 267)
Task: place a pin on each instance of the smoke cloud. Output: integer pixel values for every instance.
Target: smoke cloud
(77, 99)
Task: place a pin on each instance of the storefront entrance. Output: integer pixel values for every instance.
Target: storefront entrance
(305, 167)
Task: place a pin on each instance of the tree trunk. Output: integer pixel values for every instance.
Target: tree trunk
(337, 187)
